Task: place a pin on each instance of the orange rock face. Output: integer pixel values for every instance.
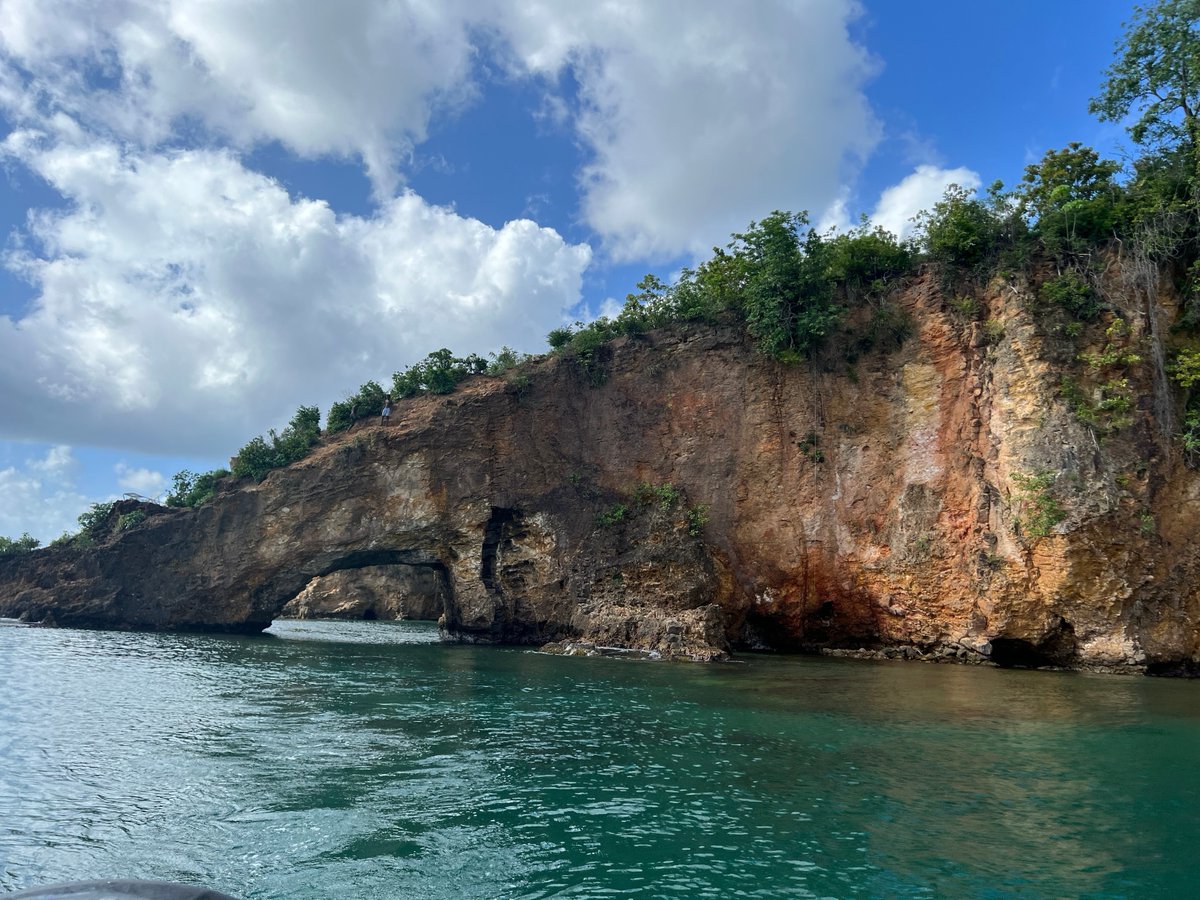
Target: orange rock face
(947, 499)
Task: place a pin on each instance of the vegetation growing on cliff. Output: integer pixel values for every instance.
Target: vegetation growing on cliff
(292, 444)
(191, 490)
(23, 544)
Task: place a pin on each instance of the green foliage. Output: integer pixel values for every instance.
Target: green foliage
(1157, 76)
(888, 328)
(584, 345)
(1070, 291)
(94, 520)
(993, 331)
(960, 230)
(866, 260)
(697, 518)
(1185, 369)
(23, 544)
(259, 456)
(1116, 403)
(964, 307)
(788, 284)
(1117, 352)
(439, 373)
(787, 297)
(1077, 401)
(506, 359)
(665, 495)
(131, 519)
(1072, 197)
(810, 446)
(1190, 435)
(367, 403)
(1110, 409)
(1147, 527)
(190, 489)
(559, 337)
(1040, 508)
(614, 515)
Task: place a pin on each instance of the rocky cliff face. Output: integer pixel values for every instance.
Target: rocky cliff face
(976, 493)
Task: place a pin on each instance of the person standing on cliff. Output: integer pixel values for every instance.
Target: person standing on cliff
(387, 410)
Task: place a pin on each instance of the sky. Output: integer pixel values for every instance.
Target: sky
(214, 211)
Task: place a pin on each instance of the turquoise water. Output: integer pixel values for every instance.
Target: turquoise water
(367, 760)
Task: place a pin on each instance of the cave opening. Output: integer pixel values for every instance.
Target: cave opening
(374, 584)
(1058, 648)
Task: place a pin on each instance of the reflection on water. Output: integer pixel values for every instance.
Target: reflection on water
(368, 760)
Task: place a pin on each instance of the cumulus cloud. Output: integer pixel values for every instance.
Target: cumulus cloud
(698, 115)
(40, 496)
(186, 302)
(919, 191)
(146, 482)
(357, 77)
(702, 116)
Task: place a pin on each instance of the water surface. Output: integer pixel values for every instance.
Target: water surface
(367, 760)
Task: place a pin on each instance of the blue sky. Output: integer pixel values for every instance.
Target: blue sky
(216, 211)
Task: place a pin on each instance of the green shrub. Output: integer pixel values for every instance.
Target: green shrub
(367, 403)
(292, 444)
(1190, 435)
(697, 518)
(191, 490)
(1185, 369)
(960, 230)
(94, 520)
(613, 515)
(506, 359)
(23, 544)
(1040, 508)
(1071, 292)
(131, 519)
(665, 495)
(559, 337)
(810, 446)
(867, 260)
(439, 373)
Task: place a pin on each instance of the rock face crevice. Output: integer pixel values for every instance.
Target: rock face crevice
(870, 502)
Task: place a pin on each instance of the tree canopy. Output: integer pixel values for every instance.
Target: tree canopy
(1157, 74)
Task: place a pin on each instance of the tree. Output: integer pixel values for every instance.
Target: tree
(787, 295)
(190, 489)
(23, 544)
(1072, 196)
(1157, 74)
(960, 230)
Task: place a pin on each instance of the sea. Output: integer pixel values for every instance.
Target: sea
(370, 760)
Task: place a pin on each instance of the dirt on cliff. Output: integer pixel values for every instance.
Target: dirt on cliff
(947, 499)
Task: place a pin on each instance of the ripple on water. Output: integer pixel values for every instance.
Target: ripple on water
(368, 760)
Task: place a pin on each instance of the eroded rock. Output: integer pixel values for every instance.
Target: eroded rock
(867, 512)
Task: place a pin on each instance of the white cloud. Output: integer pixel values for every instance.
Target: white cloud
(702, 116)
(699, 115)
(58, 461)
(40, 496)
(142, 481)
(187, 303)
(919, 191)
(356, 77)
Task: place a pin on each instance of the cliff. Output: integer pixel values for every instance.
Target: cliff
(977, 493)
